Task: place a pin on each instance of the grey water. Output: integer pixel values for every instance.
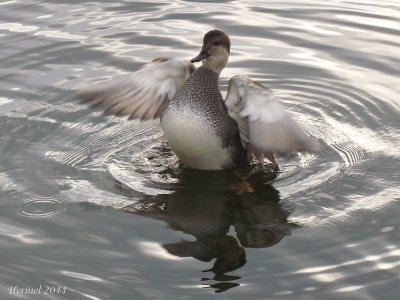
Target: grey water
(90, 209)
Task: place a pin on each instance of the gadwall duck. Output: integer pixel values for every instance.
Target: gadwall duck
(203, 130)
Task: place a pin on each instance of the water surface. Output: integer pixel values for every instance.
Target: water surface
(89, 203)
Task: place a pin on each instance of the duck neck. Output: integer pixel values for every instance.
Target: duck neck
(213, 67)
(216, 62)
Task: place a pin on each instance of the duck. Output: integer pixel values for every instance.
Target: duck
(204, 130)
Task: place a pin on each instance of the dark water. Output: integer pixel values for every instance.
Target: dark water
(89, 204)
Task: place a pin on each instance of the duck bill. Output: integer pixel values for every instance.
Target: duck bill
(202, 55)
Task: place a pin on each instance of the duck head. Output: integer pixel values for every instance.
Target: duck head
(215, 51)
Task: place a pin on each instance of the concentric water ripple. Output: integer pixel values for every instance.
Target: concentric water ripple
(40, 207)
(64, 167)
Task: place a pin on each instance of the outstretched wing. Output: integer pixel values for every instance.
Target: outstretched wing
(264, 125)
(144, 93)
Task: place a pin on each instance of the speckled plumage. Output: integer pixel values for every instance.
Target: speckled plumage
(200, 96)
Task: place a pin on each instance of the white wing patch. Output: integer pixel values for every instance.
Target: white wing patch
(144, 93)
(264, 124)
(264, 108)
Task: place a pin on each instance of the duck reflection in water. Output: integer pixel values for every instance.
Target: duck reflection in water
(208, 206)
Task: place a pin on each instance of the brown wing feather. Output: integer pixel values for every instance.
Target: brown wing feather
(144, 94)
